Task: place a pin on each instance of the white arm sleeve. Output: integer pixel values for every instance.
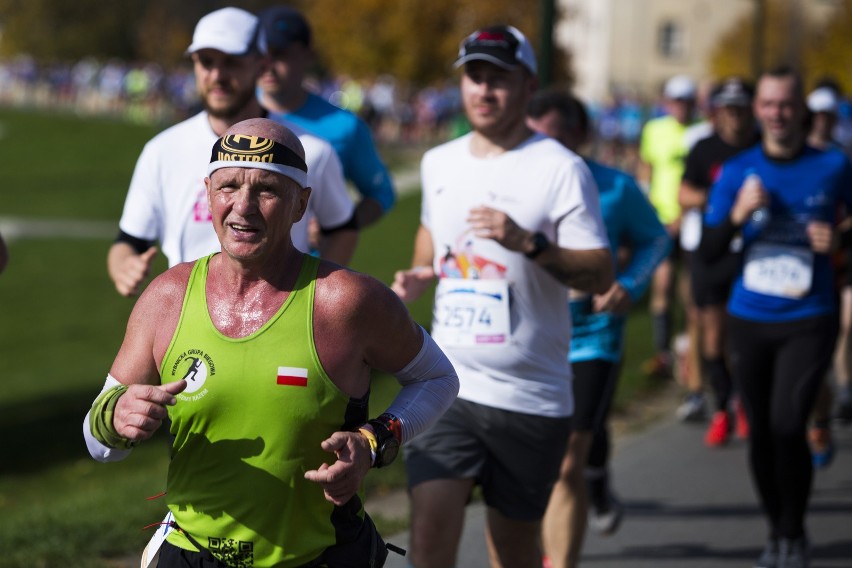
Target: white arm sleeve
(97, 450)
(429, 386)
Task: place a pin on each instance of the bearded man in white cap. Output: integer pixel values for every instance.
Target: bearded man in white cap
(167, 201)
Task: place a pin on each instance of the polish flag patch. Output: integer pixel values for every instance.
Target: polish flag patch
(293, 376)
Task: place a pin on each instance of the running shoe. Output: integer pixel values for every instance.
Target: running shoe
(769, 556)
(719, 430)
(692, 409)
(741, 420)
(822, 446)
(793, 553)
(605, 518)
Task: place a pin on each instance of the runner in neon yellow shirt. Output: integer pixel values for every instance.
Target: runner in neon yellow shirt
(663, 153)
(260, 356)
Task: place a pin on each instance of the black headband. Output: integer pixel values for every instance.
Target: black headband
(245, 151)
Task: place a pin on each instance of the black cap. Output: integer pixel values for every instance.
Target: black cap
(732, 92)
(502, 45)
(281, 26)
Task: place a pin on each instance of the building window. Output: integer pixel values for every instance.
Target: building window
(671, 40)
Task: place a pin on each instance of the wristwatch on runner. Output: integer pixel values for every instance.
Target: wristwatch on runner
(387, 441)
(540, 242)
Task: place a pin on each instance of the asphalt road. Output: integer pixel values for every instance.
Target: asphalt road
(688, 506)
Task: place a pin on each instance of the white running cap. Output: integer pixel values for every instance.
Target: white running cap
(229, 30)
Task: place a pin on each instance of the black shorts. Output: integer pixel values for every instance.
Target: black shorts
(172, 556)
(358, 544)
(594, 387)
(711, 283)
(515, 457)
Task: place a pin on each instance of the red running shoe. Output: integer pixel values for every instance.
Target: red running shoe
(720, 427)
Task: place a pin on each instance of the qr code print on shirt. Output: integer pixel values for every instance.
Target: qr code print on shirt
(234, 553)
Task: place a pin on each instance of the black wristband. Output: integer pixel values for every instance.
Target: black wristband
(137, 244)
(350, 225)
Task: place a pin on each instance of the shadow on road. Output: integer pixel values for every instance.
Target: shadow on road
(838, 550)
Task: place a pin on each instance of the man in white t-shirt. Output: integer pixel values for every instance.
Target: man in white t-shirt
(167, 201)
(509, 220)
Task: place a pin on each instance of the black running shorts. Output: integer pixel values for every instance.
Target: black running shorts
(515, 457)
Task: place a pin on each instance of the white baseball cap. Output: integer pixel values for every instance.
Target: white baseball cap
(229, 30)
(823, 100)
(679, 87)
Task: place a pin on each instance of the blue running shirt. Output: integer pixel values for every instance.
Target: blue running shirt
(808, 188)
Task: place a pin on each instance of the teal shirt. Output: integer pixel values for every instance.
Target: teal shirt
(352, 141)
(628, 218)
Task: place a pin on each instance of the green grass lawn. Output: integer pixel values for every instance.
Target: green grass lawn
(61, 323)
(66, 167)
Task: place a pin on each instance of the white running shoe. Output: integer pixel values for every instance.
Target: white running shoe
(693, 409)
(605, 522)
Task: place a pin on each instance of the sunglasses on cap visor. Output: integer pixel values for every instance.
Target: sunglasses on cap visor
(499, 43)
(492, 38)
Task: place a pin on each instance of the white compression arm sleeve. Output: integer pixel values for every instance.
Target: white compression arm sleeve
(429, 386)
(97, 450)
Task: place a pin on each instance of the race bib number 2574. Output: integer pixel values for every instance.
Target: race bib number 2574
(471, 313)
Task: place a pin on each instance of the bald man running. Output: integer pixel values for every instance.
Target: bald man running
(271, 437)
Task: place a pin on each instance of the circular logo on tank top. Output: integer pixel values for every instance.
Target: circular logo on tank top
(195, 367)
(195, 374)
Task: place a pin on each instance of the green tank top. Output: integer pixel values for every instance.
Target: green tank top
(247, 428)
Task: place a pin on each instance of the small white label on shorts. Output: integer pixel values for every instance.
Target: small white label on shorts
(690, 230)
(151, 554)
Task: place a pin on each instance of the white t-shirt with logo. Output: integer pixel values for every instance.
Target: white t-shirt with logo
(167, 200)
(503, 320)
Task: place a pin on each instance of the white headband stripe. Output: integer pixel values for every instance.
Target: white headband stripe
(295, 174)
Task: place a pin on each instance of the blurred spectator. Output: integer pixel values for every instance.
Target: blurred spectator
(823, 104)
